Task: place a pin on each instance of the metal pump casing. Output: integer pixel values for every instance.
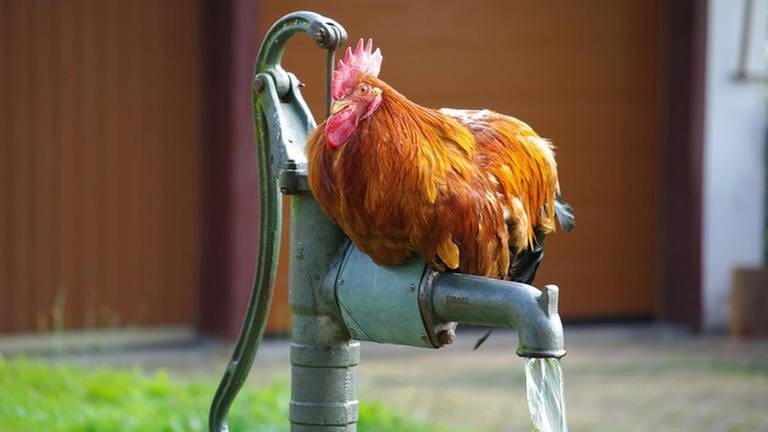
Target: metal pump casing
(337, 294)
(388, 304)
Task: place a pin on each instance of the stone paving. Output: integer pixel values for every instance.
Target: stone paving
(627, 378)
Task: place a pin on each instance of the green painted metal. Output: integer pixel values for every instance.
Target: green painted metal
(324, 359)
(495, 303)
(282, 121)
(337, 294)
(381, 304)
(415, 305)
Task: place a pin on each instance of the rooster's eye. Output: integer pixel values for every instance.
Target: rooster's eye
(363, 89)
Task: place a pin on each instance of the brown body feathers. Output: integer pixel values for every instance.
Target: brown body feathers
(467, 190)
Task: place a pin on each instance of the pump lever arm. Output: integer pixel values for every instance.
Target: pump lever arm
(282, 122)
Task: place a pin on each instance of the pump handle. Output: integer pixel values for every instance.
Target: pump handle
(282, 121)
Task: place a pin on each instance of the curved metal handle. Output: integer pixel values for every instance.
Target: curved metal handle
(282, 121)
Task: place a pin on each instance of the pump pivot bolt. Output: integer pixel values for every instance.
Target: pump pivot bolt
(258, 84)
(446, 337)
(319, 35)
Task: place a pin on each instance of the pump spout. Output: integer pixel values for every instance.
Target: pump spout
(495, 303)
(416, 305)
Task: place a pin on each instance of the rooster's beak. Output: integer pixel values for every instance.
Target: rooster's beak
(338, 106)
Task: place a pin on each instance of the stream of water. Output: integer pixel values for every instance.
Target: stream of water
(546, 401)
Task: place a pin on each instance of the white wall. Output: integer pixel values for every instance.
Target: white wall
(734, 169)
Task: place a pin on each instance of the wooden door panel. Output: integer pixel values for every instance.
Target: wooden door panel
(100, 163)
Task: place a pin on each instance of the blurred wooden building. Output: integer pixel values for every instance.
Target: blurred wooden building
(128, 179)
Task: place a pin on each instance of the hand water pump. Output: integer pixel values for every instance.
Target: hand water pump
(338, 296)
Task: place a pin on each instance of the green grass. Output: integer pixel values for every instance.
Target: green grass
(40, 396)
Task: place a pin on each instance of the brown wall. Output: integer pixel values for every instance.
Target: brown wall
(104, 104)
(99, 156)
(587, 75)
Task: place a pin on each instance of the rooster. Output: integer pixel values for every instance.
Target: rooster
(470, 191)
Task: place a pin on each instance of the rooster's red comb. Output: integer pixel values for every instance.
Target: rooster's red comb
(362, 61)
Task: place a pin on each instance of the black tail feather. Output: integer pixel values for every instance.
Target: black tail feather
(482, 339)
